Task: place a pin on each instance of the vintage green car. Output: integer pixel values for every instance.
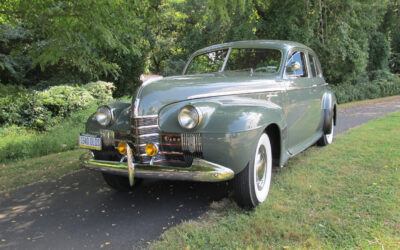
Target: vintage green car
(237, 110)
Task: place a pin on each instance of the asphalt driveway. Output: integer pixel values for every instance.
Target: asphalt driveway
(79, 211)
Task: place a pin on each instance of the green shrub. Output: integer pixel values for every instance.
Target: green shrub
(376, 84)
(21, 143)
(61, 100)
(101, 91)
(23, 108)
(41, 109)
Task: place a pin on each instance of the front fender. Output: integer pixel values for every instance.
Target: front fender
(122, 112)
(225, 115)
(231, 126)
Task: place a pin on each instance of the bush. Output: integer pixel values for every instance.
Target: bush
(376, 84)
(62, 100)
(101, 91)
(22, 108)
(42, 109)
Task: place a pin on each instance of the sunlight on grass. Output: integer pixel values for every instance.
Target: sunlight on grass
(41, 168)
(346, 195)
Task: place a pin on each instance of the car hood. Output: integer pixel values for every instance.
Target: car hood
(156, 94)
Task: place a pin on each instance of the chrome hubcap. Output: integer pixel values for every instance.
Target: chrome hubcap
(261, 167)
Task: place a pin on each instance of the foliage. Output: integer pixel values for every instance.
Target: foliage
(62, 100)
(20, 143)
(101, 91)
(87, 38)
(50, 42)
(336, 197)
(376, 84)
(378, 52)
(42, 109)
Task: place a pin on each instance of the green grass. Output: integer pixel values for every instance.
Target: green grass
(346, 195)
(47, 167)
(19, 143)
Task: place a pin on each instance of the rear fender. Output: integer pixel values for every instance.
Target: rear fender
(328, 106)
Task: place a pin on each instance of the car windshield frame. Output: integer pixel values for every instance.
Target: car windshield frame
(226, 59)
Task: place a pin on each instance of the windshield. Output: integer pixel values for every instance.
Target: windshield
(208, 62)
(255, 60)
(251, 60)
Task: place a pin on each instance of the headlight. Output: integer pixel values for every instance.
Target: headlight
(104, 116)
(189, 117)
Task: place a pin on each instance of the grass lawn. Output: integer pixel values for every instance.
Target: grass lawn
(19, 143)
(346, 195)
(47, 167)
(350, 104)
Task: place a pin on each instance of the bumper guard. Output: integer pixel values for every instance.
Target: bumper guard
(200, 170)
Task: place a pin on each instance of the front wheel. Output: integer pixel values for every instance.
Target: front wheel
(252, 184)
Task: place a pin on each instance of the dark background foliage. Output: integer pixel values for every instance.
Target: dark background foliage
(53, 42)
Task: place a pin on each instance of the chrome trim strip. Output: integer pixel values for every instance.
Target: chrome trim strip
(200, 170)
(146, 135)
(144, 127)
(237, 92)
(144, 116)
(160, 153)
(226, 59)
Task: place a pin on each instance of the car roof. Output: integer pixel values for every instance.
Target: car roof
(275, 44)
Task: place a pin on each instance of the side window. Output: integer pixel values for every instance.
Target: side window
(296, 65)
(312, 66)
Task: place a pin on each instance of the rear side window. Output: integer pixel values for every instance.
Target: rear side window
(298, 58)
(312, 66)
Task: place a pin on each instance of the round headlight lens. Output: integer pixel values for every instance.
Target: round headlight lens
(104, 116)
(189, 117)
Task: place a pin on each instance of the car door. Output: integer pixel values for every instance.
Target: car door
(301, 112)
(319, 84)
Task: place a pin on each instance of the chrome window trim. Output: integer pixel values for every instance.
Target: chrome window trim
(226, 59)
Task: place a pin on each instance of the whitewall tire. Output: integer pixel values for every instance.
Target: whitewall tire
(252, 184)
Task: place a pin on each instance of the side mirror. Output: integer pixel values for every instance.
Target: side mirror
(293, 67)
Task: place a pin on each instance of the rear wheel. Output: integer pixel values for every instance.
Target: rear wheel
(120, 183)
(252, 184)
(327, 138)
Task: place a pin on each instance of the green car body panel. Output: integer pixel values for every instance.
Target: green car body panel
(236, 108)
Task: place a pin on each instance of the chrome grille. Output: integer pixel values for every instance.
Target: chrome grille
(144, 129)
(179, 149)
(191, 143)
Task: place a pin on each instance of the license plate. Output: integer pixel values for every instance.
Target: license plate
(90, 141)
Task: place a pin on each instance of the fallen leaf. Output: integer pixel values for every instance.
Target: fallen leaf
(6, 194)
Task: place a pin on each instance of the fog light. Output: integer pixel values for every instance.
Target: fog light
(151, 149)
(122, 148)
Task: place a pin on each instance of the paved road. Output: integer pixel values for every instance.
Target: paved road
(79, 211)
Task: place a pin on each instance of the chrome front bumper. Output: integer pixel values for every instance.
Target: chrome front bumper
(200, 170)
